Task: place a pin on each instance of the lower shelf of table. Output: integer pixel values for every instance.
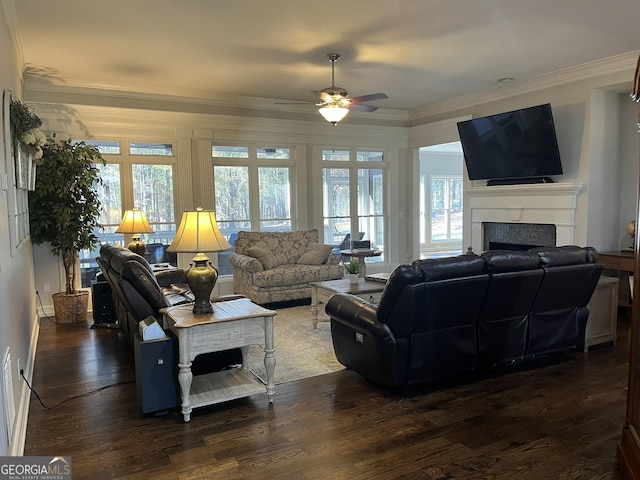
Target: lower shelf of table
(224, 386)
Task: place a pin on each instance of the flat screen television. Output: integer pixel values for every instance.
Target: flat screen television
(511, 147)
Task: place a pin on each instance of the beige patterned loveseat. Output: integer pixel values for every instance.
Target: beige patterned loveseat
(278, 266)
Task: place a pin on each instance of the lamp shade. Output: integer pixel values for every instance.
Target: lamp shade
(134, 221)
(333, 113)
(199, 232)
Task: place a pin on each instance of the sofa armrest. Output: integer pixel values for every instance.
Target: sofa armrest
(245, 262)
(167, 278)
(365, 345)
(356, 313)
(333, 259)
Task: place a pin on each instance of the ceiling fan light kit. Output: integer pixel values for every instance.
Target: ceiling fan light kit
(335, 102)
(333, 113)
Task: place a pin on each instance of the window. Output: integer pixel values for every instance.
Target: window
(354, 197)
(446, 209)
(252, 191)
(139, 177)
(440, 201)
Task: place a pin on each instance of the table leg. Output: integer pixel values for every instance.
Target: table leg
(185, 377)
(269, 356)
(363, 267)
(314, 305)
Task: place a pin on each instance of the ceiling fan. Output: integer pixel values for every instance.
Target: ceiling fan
(335, 102)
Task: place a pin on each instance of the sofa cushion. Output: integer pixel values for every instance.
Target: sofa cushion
(315, 254)
(433, 269)
(294, 274)
(263, 254)
(287, 247)
(559, 256)
(502, 261)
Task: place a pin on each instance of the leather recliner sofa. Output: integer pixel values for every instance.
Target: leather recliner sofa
(139, 293)
(438, 317)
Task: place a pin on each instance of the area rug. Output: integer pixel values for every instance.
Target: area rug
(301, 350)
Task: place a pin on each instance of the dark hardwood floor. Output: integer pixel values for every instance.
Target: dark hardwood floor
(559, 420)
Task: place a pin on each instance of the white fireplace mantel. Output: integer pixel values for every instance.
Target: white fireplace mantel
(547, 203)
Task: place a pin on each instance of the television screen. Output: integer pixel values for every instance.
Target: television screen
(518, 145)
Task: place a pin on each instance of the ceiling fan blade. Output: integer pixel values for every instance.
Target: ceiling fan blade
(294, 103)
(370, 97)
(362, 108)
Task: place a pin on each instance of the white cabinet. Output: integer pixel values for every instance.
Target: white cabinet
(603, 313)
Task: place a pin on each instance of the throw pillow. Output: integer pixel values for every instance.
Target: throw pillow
(263, 254)
(315, 254)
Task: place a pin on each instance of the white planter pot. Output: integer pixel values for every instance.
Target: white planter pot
(354, 277)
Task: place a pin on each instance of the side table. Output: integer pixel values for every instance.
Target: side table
(322, 291)
(233, 324)
(623, 262)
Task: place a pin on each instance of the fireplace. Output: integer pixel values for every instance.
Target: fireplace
(517, 236)
(538, 214)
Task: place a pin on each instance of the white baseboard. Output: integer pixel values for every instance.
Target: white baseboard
(16, 448)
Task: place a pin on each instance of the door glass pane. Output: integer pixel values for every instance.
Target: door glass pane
(109, 196)
(371, 208)
(369, 156)
(336, 204)
(275, 202)
(232, 206)
(164, 149)
(335, 155)
(275, 153)
(153, 193)
(220, 151)
(456, 208)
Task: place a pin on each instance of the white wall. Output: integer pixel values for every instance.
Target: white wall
(18, 321)
(594, 124)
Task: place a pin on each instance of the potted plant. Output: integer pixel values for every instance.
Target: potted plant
(353, 269)
(63, 211)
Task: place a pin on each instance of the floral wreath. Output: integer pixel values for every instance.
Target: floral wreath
(25, 126)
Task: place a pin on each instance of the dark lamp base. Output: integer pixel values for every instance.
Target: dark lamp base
(201, 278)
(138, 246)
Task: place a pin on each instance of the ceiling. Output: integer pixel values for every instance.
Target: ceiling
(416, 51)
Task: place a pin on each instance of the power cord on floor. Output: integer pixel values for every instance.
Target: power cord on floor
(86, 394)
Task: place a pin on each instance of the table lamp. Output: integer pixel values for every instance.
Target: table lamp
(135, 222)
(198, 233)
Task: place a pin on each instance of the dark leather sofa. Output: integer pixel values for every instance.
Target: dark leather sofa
(139, 293)
(439, 317)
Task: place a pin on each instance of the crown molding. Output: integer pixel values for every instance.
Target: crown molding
(625, 62)
(40, 89)
(9, 8)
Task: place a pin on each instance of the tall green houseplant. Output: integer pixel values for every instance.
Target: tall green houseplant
(64, 207)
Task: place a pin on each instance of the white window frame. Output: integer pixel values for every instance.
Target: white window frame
(353, 165)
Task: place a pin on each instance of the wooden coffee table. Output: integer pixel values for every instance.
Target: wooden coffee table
(321, 292)
(233, 324)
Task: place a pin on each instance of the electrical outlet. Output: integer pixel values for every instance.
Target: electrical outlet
(47, 287)
(19, 369)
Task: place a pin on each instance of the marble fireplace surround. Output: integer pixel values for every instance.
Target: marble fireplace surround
(544, 203)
